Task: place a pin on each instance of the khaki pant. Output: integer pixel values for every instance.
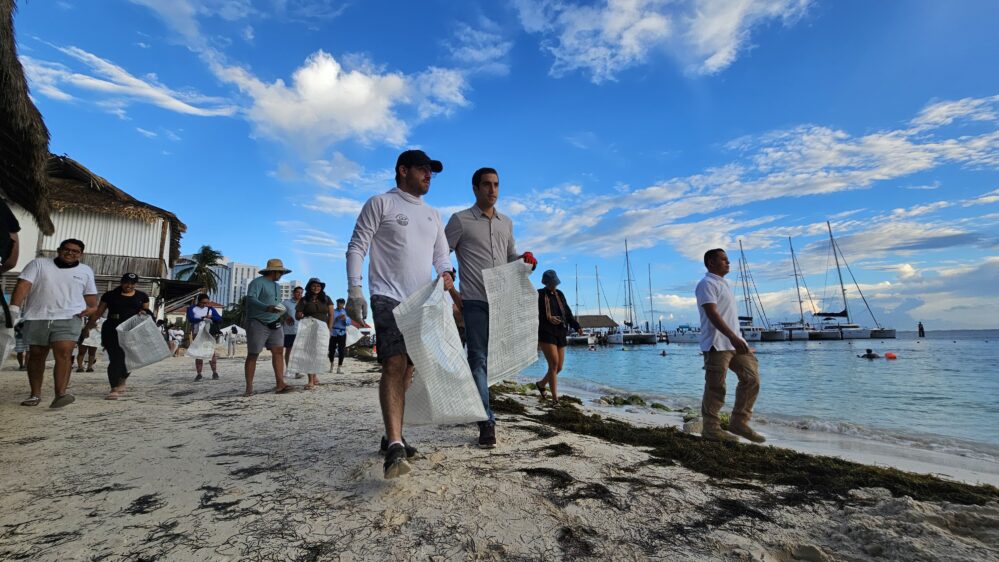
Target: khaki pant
(716, 366)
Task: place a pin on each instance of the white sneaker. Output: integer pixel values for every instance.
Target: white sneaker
(339, 370)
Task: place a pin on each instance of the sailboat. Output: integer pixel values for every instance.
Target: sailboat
(750, 331)
(584, 338)
(834, 329)
(629, 334)
(799, 330)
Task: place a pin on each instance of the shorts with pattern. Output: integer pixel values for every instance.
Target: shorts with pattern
(260, 336)
(46, 332)
(389, 339)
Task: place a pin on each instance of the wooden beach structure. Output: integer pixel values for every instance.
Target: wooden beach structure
(121, 233)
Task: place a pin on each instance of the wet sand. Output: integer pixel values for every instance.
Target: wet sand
(179, 470)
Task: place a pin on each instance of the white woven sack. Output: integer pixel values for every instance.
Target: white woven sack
(93, 339)
(142, 342)
(443, 391)
(203, 344)
(513, 320)
(6, 344)
(354, 335)
(311, 349)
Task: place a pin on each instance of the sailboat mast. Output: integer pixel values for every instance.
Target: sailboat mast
(596, 270)
(652, 311)
(629, 303)
(577, 289)
(745, 281)
(842, 287)
(797, 288)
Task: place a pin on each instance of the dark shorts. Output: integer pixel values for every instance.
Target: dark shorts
(548, 336)
(389, 342)
(289, 340)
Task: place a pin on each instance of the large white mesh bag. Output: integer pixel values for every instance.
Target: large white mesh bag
(203, 344)
(443, 391)
(311, 349)
(142, 342)
(513, 320)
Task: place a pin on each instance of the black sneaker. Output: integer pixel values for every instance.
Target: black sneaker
(410, 451)
(198, 378)
(396, 464)
(487, 436)
(215, 376)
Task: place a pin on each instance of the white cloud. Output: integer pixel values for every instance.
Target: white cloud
(326, 100)
(514, 208)
(146, 133)
(795, 163)
(142, 45)
(336, 206)
(946, 112)
(247, 34)
(113, 84)
(984, 199)
(482, 49)
(604, 39)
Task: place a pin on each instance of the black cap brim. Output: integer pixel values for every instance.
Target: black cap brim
(436, 166)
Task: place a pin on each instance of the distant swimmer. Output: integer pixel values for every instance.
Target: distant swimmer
(663, 353)
(870, 355)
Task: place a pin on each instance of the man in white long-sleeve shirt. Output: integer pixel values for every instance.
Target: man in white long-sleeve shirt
(405, 236)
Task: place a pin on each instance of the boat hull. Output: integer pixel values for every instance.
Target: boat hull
(825, 335)
(799, 335)
(883, 334)
(773, 335)
(856, 334)
(751, 335)
(639, 339)
(615, 339)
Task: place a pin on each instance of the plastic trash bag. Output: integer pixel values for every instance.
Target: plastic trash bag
(142, 342)
(513, 319)
(93, 339)
(311, 349)
(443, 391)
(203, 344)
(354, 335)
(6, 344)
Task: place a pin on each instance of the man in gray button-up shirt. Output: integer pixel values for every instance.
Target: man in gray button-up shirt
(481, 237)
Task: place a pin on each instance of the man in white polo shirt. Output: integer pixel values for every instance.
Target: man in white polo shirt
(724, 348)
(60, 292)
(405, 236)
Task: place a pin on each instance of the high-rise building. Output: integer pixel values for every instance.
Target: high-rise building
(232, 278)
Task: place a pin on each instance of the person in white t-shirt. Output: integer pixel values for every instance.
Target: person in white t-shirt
(405, 236)
(724, 348)
(60, 292)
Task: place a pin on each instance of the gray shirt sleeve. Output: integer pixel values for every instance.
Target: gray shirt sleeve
(453, 231)
(511, 249)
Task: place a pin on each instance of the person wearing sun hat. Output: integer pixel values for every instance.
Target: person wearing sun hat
(315, 304)
(264, 314)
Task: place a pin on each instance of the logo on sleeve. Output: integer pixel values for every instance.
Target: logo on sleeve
(402, 219)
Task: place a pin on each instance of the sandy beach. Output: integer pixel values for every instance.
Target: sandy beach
(178, 470)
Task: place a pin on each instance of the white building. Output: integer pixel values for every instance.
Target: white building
(121, 234)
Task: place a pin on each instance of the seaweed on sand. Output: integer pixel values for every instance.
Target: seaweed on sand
(818, 477)
(506, 405)
(557, 450)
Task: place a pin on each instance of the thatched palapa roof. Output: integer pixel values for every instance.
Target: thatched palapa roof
(73, 187)
(595, 321)
(24, 140)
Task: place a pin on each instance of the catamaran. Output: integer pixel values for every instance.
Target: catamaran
(831, 327)
(799, 330)
(586, 338)
(630, 334)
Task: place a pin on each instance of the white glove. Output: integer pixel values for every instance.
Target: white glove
(15, 315)
(357, 307)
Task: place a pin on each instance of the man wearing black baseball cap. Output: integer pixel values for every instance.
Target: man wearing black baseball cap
(404, 235)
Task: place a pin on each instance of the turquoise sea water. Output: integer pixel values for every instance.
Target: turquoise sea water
(942, 390)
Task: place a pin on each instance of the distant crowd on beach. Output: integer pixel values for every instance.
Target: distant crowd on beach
(55, 308)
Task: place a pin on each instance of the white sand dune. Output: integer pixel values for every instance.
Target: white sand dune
(179, 470)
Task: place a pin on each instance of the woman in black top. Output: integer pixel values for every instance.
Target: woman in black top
(554, 321)
(120, 304)
(315, 304)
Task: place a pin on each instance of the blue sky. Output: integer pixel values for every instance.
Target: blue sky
(680, 125)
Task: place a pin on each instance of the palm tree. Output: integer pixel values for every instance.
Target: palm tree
(201, 272)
